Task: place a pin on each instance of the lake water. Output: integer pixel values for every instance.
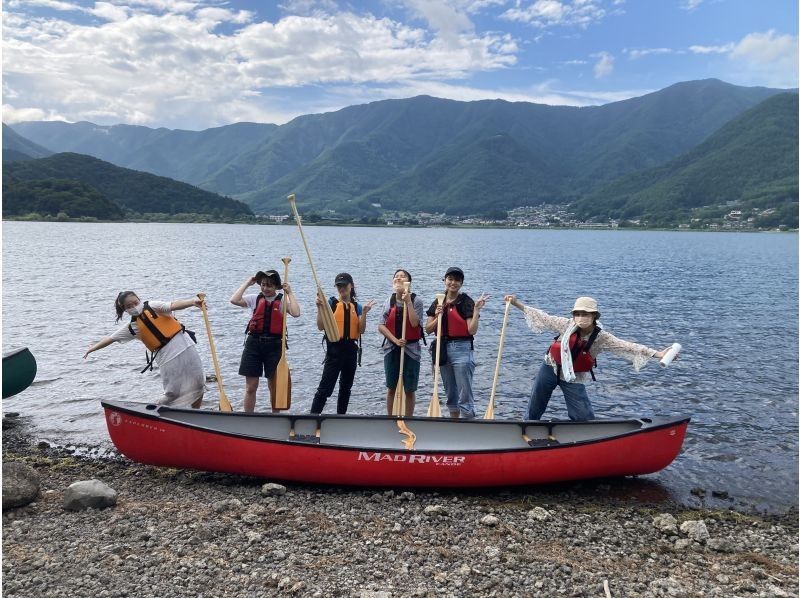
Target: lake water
(730, 299)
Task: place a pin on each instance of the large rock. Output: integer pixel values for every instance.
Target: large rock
(696, 530)
(89, 494)
(20, 484)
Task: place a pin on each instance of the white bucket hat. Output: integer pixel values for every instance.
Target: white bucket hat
(586, 304)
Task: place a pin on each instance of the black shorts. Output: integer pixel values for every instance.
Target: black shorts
(260, 356)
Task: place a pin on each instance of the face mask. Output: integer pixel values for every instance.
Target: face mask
(135, 310)
(583, 321)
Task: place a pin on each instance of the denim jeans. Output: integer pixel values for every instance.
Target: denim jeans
(578, 406)
(341, 360)
(457, 377)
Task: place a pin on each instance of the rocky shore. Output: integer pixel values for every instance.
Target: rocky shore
(180, 533)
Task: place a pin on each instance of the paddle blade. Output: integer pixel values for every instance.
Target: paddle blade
(489, 411)
(282, 390)
(328, 321)
(224, 403)
(434, 409)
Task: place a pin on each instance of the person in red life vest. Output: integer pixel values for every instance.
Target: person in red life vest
(460, 318)
(571, 358)
(341, 358)
(262, 347)
(172, 347)
(397, 306)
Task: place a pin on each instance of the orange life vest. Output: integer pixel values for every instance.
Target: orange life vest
(155, 330)
(346, 318)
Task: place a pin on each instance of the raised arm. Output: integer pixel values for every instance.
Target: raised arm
(472, 323)
(362, 319)
(237, 297)
(292, 305)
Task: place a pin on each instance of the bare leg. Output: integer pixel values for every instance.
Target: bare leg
(197, 403)
(250, 388)
(389, 400)
(411, 401)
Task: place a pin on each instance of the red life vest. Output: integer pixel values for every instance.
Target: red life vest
(582, 360)
(267, 321)
(456, 326)
(394, 321)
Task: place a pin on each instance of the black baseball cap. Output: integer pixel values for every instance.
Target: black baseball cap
(271, 274)
(343, 278)
(454, 272)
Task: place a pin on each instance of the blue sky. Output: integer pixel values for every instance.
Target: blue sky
(195, 64)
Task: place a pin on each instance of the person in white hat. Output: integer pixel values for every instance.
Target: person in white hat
(571, 358)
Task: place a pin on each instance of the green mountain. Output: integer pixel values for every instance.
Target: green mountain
(16, 147)
(424, 153)
(189, 156)
(751, 162)
(52, 197)
(139, 192)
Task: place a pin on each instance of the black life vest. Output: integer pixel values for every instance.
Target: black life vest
(394, 321)
(265, 320)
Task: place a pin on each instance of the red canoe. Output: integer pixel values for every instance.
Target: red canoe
(371, 450)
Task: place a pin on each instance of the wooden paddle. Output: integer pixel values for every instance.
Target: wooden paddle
(282, 370)
(328, 323)
(490, 409)
(399, 404)
(224, 403)
(434, 409)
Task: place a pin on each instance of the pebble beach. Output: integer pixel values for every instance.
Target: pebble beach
(186, 533)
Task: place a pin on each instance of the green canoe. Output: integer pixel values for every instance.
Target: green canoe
(19, 370)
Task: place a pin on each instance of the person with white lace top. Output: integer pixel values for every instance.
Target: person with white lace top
(570, 359)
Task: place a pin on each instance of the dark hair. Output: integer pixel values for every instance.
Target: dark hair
(119, 304)
(404, 272)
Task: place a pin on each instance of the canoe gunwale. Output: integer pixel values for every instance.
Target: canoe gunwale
(154, 412)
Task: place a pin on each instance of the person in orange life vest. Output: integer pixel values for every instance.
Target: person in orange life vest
(460, 318)
(262, 347)
(341, 358)
(569, 364)
(173, 348)
(391, 327)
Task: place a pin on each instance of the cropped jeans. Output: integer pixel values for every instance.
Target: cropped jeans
(457, 378)
(578, 406)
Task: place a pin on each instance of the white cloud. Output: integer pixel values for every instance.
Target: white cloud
(690, 5)
(724, 49)
(637, 53)
(548, 13)
(768, 58)
(13, 115)
(604, 65)
(179, 69)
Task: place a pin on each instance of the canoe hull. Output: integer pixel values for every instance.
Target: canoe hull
(158, 441)
(19, 370)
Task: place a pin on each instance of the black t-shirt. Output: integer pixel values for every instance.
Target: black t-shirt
(464, 305)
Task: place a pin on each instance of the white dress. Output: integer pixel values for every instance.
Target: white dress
(178, 362)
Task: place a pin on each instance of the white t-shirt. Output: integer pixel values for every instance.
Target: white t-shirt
(251, 301)
(176, 346)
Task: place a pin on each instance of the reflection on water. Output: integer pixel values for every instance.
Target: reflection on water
(729, 299)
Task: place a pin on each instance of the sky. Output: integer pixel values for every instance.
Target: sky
(196, 64)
